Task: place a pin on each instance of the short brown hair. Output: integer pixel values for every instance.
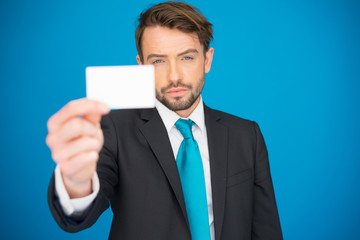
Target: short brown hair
(178, 15)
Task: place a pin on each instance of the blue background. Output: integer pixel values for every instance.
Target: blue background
(293, 66)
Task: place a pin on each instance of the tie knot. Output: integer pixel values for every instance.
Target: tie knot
(185, 126)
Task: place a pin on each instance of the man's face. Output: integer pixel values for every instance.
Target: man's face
(180, 65)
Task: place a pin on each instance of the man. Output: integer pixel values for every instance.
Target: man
(139, 160)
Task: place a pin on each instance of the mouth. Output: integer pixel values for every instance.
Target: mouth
(176, 92)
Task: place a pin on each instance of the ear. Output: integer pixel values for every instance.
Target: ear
(138, 60)
(208, 59)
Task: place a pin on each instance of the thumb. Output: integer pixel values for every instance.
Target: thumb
(93, 118)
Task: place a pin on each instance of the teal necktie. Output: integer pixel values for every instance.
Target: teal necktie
(192, 179)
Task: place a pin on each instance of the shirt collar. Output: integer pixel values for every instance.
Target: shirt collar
(170, 117)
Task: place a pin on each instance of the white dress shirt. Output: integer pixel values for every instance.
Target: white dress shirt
(75, 207)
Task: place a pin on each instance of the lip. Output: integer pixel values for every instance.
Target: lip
(176, 92)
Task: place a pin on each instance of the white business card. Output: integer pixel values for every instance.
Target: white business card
(122, 87)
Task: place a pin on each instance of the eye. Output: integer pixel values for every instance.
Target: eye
(188, 58)
(157, 61)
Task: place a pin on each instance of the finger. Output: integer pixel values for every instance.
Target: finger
(80, 167)
(76, 108)
(74, 147)
(93, 118)
(100, 134)
(72, 129)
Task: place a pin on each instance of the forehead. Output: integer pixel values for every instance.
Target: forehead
(164, 40)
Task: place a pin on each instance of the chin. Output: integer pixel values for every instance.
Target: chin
(178, 103)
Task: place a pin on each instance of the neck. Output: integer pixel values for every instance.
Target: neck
(186, 113)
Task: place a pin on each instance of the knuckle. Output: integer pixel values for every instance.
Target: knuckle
(55, 156)
(94, 143)
(72, 103)
(100, 134)
(92, 157)
(98, 144)
(50, 123)
(85, 159)
(101, 140)
(70, 106)
(65, 169)
(49, 141)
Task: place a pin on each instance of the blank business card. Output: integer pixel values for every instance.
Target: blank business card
(122, 87)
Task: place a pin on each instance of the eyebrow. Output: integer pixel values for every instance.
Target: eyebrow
(155, 55)
(191, 50)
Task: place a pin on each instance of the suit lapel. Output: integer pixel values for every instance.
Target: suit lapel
(218, 142)
(155, 133)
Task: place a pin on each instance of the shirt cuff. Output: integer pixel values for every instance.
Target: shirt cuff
(76, 205)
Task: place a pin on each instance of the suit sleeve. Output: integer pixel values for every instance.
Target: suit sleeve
(266, 223)
(107, 170)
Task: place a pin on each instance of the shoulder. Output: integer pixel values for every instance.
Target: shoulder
(228, 119)
(236, 125)
(239, 130)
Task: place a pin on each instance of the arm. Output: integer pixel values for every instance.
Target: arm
(266, 223)
(107, 173)
(75, 208)
(75, 143)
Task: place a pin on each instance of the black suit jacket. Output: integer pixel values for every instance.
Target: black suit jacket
(139, 177)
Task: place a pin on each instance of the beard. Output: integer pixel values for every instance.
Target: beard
(182, 102)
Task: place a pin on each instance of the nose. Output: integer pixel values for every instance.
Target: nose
(174, 73)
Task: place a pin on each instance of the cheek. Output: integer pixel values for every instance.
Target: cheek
(193, 71)
(160, 79)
